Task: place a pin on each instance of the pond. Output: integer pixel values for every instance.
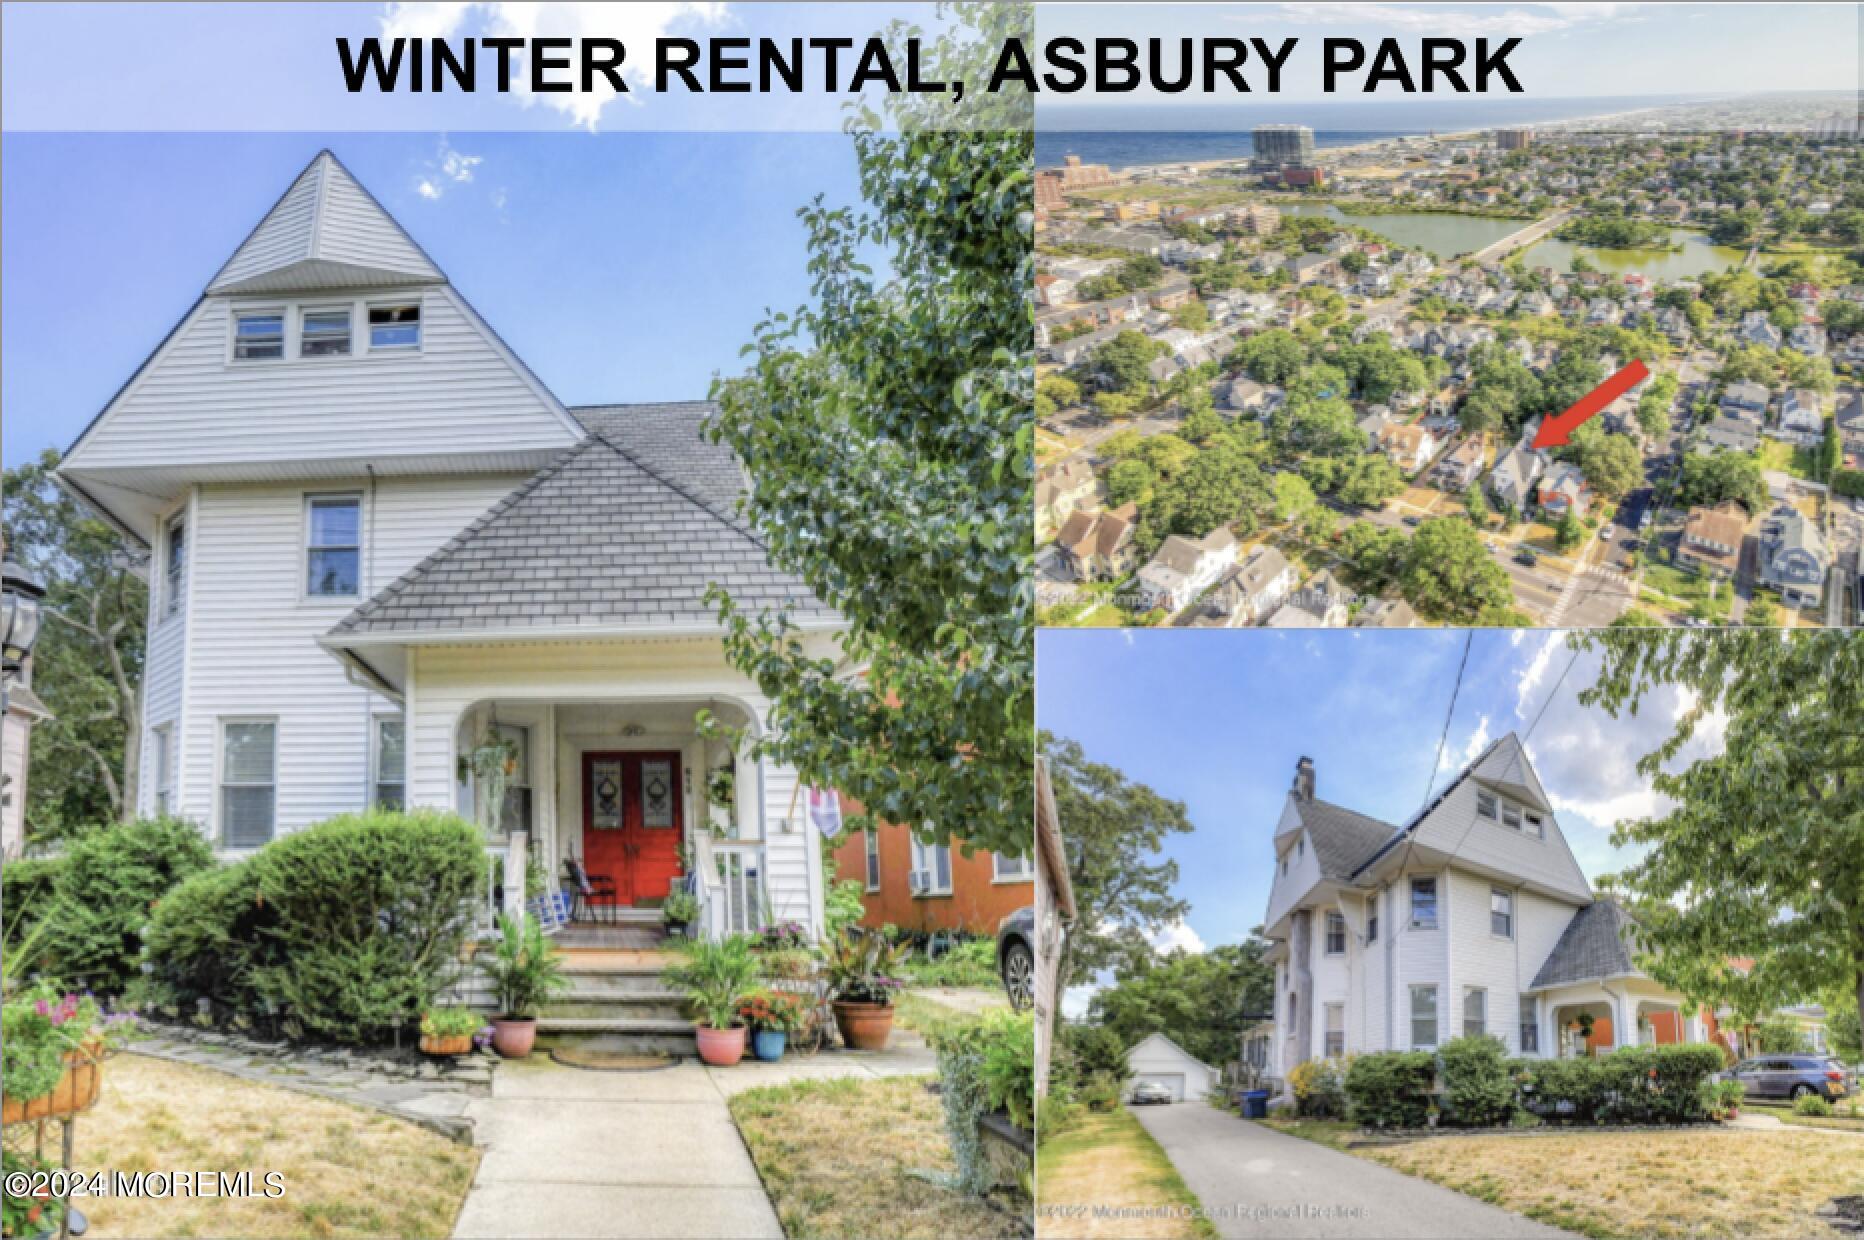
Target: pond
(1448, 236)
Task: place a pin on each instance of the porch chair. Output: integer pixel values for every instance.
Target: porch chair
(594, 892)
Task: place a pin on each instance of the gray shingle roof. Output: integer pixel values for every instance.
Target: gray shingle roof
(629, 527)
(1597, 943)
(1343, 840)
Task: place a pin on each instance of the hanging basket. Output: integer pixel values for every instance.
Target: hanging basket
(76, 1090)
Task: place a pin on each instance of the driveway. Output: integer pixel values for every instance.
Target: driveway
(1257, 1182)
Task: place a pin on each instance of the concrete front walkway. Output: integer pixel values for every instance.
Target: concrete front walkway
(571, 1152)
(1257, 1182)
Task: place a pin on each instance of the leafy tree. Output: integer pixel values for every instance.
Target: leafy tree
(1488, 408)
(1130, 481)
(1113, 830)
(1273, 356)
(1635, 618)
(1369, 480)
(1569, 532)
(1121, 444)
(1060, 389)
(87, 665)
(1611, 463)
(1375, 554)
(1202, 425)
(1761, 614)
(1192, 316)
(890, 427)
(1200, 1000)
(1476, 504)
(1378, 371)
(1708, 480)
(1116, 405)
(1762, 851)
(1123, 360)
(1449, 576)
(1223, 486)
(1353, 262)
(1167, 455)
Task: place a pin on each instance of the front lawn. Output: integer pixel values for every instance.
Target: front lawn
(1704, 1183)
(1105, 1161)
(347, 1171)
(850, 1157)
(1842, 1120)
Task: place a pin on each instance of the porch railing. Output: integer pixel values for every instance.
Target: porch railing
(730, 886)
(504, 882)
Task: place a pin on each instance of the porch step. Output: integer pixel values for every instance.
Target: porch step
(613, 1024)
(642, 937)
(663, 1037)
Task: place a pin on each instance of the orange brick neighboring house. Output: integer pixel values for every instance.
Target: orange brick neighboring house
(971, 893)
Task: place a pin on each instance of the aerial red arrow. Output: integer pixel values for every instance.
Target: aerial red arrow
(1554, 432)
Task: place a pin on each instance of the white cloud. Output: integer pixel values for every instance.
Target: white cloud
(1075, 999)
(1533, 674)
(1478, 741)
(637, 26)
(1462, 22)
(1178, 935)
(448, 167)
(427, 189)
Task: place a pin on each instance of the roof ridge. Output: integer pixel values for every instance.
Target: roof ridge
(736, 525)
(644, 404)
(394, 588)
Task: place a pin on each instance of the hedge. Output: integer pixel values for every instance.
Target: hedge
(346, 930)
(26, 889)
(1390, 1089)
(1848, 482)
(101, 898)
(1479, 1090)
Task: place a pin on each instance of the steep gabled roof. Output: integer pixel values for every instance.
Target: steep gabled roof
(626, 529)
(1596, 944)
(1343, 839)
(326, 231)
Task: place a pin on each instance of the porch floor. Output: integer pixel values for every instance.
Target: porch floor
(621, 936)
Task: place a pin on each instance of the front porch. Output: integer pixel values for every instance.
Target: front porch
(1598, 1018)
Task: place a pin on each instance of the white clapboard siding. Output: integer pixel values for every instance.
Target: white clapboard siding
(1483, 959)
(282, 237)
(193, 406)
(1453, 827)
(253, 635)
(1422, 957)
(353, 229)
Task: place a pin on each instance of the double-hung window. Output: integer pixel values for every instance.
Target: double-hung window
(175, 570)
(394, 328)
(1004, 869)
(324, 332)
(1335, 1030)
(248, 782)
(1536, 826)
(1511, 815)
(1530, 1027)
(870, 846)
(1423, 1016)
(1372, 917)
(933, 863)
(391, 762)
(258, 335)
(1486, 804)
(1424, 904)
(1336, 935)
(333, 546)
(1475, 1012)
(1501, 912)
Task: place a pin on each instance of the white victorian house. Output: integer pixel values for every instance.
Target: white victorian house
(376, 539)
(1471, 918)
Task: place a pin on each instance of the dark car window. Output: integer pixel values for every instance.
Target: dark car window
(1778, 1065)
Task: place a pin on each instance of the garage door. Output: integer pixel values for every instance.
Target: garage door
(1173, 1081)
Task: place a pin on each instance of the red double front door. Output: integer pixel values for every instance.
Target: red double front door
(632, 821)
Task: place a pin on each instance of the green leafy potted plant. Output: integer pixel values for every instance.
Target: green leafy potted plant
(859, 964)
(772, 1016)
(448, 1031)
(53, 1044)
(526, 972)
(680, 910)
(721, 794)
(716, 975)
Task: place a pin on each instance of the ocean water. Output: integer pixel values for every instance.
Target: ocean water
(1124, 136)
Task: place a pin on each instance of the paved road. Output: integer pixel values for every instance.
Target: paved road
(1526, 236)
(1261, 1183)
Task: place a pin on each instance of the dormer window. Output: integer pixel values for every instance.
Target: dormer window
(259, 335)
(1486, 805)
(394, 327)
(1536, 826)
(1511, 815)
(325, 333)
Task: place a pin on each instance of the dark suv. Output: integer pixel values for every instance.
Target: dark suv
(1016, 956)
(1789, 1077)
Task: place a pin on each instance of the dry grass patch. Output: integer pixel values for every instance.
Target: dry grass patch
(837, 1158)
(1108, 1162)
(1699, 1184)
(347, 1171)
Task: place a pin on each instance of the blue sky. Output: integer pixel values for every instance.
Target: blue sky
(1218, 720)
(621, 267)
(1566, 50)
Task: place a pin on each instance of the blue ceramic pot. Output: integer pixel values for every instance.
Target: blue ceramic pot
(767, 1044)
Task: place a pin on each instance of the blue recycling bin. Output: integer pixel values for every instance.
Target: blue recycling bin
(1256, 1104)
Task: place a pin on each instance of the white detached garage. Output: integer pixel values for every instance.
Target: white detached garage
(1158, 1060)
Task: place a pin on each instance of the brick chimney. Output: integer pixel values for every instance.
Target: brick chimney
(1304, 779)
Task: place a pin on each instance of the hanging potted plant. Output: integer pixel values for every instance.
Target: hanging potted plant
(448, 1031)
(859, 965)
(721, 794)
(716, 975)
(772, 1016)
(54, 1045)
(492, 763)
(526, 973)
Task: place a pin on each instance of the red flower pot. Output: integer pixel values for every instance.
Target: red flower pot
(720, 1047)
(864, 1026)
(514, 1038)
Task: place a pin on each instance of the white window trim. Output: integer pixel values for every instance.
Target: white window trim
(375, 754)
(1512, 903)
(1504, 806)
(1327, 1011)
(870, 859)
(303, 311)
(1468, 993)
(1326, 934)
(931, 868)
(291, 312)
(1025, 872)
(287, 348)
(305, 597)
(1527, 1017)
(162, 741)
(370, 349)
(220, 761)
(1436, 906)
(1411, 1017)
(173, 589)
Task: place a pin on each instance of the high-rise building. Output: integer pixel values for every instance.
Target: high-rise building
(1284, 146)
(1513, 139)
(1053, 183)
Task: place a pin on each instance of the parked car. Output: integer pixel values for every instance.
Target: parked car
(1414, 522)
(1147, 1093)
(1526, 556)
(1787, 1077)
(1016, 956)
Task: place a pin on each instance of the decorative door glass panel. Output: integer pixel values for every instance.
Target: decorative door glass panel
(605, 795)
(656, 793)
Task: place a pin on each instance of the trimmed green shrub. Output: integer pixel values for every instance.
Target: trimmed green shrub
(1319, 1087)
(1390, 1089)
(1478, 1089)
(1101, 1092)
(111, 879)
(1095, 1050)
(1632, 1085)
(1811, 1104)
(368, 915)
(26, 889)
(203, 942)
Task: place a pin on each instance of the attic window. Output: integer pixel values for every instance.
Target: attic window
(258, 336)
(325, 333)
(1537, 826)
(394, 327)
(1485, 804)
(1511, 815)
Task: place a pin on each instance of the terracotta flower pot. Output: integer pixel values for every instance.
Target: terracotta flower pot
(452, 1044)
(720, 1047)
(513, 1038)
(76, 1090)
(864, 1026)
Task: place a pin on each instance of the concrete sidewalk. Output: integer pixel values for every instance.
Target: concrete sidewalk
(1257, 1182)
(573, 1153)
